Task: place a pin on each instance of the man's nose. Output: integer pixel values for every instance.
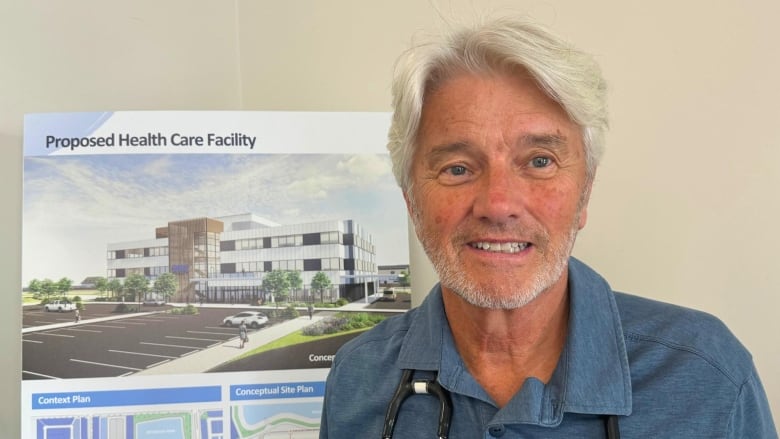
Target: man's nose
(499, 196)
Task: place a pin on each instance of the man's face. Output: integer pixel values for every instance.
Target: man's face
(499, 188)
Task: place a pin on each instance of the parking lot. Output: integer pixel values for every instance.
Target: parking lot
(104, 344)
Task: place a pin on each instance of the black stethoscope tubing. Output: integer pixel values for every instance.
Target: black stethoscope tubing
(409, 386)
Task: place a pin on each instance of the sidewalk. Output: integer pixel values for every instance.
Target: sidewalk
(209, 358)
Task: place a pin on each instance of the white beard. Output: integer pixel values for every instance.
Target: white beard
(499, 294)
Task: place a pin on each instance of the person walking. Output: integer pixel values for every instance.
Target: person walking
(243, 335)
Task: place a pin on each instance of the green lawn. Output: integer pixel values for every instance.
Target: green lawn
(27, 299)
(293, 339)
(86, 295)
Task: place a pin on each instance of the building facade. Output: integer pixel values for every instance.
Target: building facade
(225, 259)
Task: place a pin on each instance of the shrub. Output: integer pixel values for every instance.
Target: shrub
(324, 305)
(342, 322)
(290, 312)
(124, 308)
(185, 310)
(341, 302)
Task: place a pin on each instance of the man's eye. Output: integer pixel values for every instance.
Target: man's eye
(456, 170)
(540, 162)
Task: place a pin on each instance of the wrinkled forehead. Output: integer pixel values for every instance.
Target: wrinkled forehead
(513, 95)
(516, 75)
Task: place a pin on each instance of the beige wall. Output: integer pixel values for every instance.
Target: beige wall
(685, 207)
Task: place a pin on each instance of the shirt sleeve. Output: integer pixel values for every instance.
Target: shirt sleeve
(751, 416)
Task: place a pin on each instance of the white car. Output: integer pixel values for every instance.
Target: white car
(59, 306)
(253, 319)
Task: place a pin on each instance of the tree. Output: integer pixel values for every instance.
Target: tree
(404, 278)
(63, 286)
(101, 284)
(296, 282)
(35, 287)
(136, 285)
(320, 282)
(48, 288)
(115, 286)
(277, 283)
(166, 285)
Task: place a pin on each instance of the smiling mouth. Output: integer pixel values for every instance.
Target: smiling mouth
(500, 247)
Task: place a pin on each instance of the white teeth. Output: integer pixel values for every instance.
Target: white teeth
(502, 247)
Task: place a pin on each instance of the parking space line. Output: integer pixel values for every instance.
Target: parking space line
(104, 326)
(213, 333)
(141, 353)
(39, 374)
(31, 341)
(193, 338)
(56, 335)
(171, 345)
(104, 364)
(81, 330)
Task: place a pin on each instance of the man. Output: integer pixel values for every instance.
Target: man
(496, 135)
(243, 334)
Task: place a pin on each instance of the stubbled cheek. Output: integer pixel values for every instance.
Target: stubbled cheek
(438, 219)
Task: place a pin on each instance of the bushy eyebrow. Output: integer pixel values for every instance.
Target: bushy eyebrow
(440, 152)
(552, 141)
(540, 140)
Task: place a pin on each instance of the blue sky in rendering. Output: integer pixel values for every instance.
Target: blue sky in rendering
(75, 205)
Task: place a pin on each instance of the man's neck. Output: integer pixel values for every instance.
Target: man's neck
(502, 348)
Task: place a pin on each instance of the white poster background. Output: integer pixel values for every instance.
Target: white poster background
(95, 178)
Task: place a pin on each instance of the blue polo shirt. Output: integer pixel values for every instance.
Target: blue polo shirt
(664, 370)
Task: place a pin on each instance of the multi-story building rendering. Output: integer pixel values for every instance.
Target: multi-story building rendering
(224, 259)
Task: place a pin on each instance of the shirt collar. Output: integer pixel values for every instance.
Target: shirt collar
(592, 376)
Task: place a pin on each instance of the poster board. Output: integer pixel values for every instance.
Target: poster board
(218, 201)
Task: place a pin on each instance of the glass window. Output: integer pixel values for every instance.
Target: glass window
(134, 253)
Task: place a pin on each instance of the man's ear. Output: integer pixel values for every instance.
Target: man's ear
(583, 218)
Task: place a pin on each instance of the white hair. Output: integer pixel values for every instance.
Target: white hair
(568, 76)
